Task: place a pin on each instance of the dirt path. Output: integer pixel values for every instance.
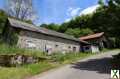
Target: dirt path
(94, 67)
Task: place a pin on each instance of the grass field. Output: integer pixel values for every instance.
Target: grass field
(24, 71)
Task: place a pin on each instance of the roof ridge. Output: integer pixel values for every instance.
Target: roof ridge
(27, 26)
(91, 36)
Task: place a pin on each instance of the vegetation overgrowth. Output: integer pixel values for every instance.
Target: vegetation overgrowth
(26, 70)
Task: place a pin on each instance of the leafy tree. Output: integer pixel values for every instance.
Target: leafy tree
(74, 32)
(100, 2)
(105, 19)
(84, 32)
(77, 32)
(63, 27)
(51, 26)
(3, 17)
(44, 25)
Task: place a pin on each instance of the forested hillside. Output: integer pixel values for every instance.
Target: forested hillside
(105, 19)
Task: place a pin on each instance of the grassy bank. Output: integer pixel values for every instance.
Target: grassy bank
(24, 71)
(69, 57)
(33, 69)
(8, 50)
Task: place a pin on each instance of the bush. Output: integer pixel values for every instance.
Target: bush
(61, 58)
(13, 50)
(31, 69)
(57, 57)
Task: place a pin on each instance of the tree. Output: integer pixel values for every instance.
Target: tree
(77, 32)
(3, 17)
(51, 26)
(63, 27)
(74, 32)
(86, 31)
(100, 2)
(21, 9)
(44, 25)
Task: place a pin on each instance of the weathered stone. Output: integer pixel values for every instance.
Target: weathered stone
(18, 60)
(45, 43)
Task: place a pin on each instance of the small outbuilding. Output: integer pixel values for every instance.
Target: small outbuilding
(96, 42)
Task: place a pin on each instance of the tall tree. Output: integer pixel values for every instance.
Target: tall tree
(63, 27)
(77, 32)
(21, 9)
(100, 2)
(3, 17)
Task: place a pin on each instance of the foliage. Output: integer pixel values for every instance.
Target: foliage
(68, 57)
(3, 17)
(75, 27)
(6, 50)
(100, 2)
(57, 57)
(51, 26)
(25, 71)
(33, 69)
(63, 27)
(77, 23)
(105, 19)
(74, 32)
(78, 32)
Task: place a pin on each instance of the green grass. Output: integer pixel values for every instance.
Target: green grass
(25, 71)
(8, 50)
(54, 60)
(69, 57)
(33, 69)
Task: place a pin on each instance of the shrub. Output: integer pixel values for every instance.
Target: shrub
(12, 50)
(57, 57)
(61, 58)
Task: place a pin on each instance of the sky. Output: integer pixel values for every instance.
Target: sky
(59, 11)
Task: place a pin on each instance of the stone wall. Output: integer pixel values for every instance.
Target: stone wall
(46, 43)
(18, 60)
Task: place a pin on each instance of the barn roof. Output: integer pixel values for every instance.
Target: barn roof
(93, 36)
(22, 25)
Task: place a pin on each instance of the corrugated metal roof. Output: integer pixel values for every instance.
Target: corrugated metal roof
(22, 25)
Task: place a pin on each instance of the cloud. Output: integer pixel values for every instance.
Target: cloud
(89, 10)
(68, 19)
(72, 12)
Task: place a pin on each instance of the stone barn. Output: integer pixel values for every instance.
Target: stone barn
(29, 36)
